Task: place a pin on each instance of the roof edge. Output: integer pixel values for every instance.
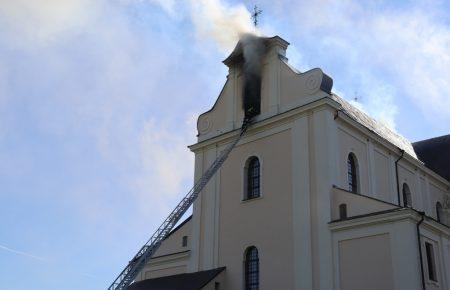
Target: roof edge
(236, 55)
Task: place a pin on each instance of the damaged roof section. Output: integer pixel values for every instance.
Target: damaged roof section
(375, 126)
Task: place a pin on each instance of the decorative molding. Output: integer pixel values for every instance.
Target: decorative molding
(161, 260)
(312, 82)
(287, 116)
(205, 124)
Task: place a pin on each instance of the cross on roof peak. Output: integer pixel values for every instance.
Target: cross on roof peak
(255, 14)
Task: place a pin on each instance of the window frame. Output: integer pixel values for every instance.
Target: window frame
(245, 177)
(248, 285)
(439, 211)
(343, 213)
(431, 262)
(406, 192)
(353, 185)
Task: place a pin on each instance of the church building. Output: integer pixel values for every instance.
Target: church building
(316, 195)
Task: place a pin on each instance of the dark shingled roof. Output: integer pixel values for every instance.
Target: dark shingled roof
(435, 153)
(189, 281)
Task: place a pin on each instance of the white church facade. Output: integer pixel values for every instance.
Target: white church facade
(316, 195)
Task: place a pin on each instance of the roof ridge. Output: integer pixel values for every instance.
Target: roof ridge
(433, 138)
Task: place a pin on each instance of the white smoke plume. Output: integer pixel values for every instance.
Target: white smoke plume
(225, 25)
(221, 22)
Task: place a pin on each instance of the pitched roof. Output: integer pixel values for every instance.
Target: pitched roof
(377, 127)
(188, 281)
(435, 153)
(179, 226)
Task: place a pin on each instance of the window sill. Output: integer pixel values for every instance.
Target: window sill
(434, 283)
(251, 199)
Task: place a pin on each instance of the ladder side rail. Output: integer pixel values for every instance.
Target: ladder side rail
(144, 254)
(162, 232)
(199, 185)
(157, 237)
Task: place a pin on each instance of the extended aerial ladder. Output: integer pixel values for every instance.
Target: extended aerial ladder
(129, 273)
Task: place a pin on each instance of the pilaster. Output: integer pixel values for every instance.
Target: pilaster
(231, 101)
(324, 175)
(372, 171)
(301, 201)
(194, 260)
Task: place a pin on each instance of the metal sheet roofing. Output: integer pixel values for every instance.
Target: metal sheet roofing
(375, 126)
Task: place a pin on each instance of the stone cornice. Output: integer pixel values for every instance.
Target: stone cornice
(169, 258)
(389, 217)
(272, 120)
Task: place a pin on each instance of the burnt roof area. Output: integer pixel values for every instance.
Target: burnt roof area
(435, 153)
(189, 281)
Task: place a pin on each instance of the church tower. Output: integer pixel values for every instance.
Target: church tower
(260, 194)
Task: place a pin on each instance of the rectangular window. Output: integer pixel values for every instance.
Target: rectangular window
(185, 241)
(431, 262)
(343, 211)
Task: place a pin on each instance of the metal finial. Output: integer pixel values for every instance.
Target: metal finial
(356, 97)
(256, 13)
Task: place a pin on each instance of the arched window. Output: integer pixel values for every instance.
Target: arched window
(343, 211)
(439, 213)
(352, 174)
(253, 188)
(251, 269)
(407, 200)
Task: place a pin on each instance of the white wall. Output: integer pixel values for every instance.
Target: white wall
(439, 237)
(376, 170)
(390, 242)
(356, 204)
(365, 263)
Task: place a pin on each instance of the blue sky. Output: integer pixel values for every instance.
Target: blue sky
(98, 101)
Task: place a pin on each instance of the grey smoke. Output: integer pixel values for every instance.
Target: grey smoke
(253, 50)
